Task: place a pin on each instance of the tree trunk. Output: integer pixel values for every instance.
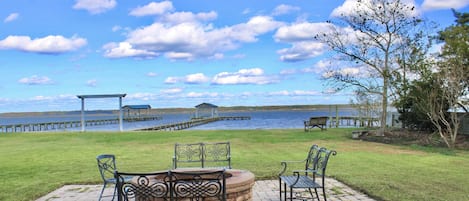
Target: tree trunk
(384, 105)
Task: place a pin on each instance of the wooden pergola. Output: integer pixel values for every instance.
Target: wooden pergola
(83, 97)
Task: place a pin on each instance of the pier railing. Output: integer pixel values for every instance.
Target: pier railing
(51, 126)
(352, 121)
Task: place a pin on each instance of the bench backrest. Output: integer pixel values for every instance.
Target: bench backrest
(202, 155)
(321, 161)
(318, 120)
(312, 158)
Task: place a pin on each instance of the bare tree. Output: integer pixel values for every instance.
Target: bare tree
(373, 39)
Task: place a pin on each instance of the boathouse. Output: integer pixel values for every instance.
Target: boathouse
(136, 111)
(206, 110)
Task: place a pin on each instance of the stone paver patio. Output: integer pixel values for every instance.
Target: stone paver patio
(264, 190)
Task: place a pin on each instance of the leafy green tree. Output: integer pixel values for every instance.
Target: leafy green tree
(453, 77)
(450, 83)
(455, 52)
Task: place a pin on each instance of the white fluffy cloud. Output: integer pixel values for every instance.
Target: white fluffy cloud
(301, 37)
(172, 80)
(201, 94)
(92, 83)
(243, 76)
(187, 17)
(95, 6)
(301, 31)
(11, 17)
(49, 45)
(124, 49)
(284, 9)
(187, 35)
(196, 78)
(171, 91)
(35, 80)
(152, 74)
(444, 4)
(302, 51)
(153, 8)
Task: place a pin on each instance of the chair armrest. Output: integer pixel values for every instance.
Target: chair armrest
(304, 171)
(297, 174)
(284, 165)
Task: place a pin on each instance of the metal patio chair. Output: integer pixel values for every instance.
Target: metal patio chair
(198, 185)
(143, 186)
(107, 167)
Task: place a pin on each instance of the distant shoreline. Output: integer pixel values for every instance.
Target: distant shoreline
(179, 110)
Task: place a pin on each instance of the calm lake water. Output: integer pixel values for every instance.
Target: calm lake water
(260, 119)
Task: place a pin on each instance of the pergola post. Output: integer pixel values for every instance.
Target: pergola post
(120, 114)
(82, 114)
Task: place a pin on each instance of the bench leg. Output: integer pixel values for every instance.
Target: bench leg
(280, 185)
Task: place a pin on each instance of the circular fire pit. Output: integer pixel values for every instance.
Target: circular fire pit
(239, 185)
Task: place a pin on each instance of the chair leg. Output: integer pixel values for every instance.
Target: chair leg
(102, 191)
(115, 191)
(285, 191)
(316, 191)
(291, 194)
(324, 193)
(311, 193)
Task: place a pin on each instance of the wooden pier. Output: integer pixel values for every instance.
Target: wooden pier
(192, 123)
(51, 126)
(351, 121)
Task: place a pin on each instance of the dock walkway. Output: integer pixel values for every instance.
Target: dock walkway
(192, 123)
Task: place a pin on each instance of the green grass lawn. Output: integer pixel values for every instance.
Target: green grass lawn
(33, 164)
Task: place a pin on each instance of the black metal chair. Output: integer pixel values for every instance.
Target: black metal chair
(315, 167)
(107, 167)
(143, 186)
(198, 185)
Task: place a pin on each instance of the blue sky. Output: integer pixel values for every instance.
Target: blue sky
(170, 53)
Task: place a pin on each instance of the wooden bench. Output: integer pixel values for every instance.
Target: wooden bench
(320, 122)
(202, 155)
(359, 133)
